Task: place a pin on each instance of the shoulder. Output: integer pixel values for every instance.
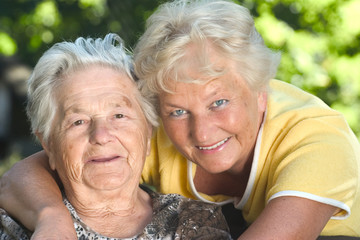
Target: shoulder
(163, 201)
(308, 147)
(285, 98)
(297, 117)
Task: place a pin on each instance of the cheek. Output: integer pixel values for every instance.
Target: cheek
(239, 120)
(233, 118)
(69, 157)
(136, 144)
(71, 168)
(176, 130)
(135, 141)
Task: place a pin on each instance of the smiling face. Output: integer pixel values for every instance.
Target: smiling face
(215, 124)
(100, 136)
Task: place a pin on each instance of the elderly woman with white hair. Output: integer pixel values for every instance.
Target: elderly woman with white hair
(230, 133)
(94, 125)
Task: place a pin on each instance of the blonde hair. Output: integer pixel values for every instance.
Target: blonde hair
(227, 26)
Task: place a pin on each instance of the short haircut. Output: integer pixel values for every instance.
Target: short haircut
(227, 26)
(66, 57)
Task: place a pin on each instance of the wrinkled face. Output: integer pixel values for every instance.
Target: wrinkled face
(216, 124)
(100, 136)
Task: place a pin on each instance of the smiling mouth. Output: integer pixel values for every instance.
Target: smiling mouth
(215, 145)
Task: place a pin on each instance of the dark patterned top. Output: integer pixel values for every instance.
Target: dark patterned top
(174, 217)
(10, 229)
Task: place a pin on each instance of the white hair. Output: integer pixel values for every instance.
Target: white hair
(66, 57)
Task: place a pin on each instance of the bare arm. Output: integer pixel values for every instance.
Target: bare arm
(29, 192)
(290, 218)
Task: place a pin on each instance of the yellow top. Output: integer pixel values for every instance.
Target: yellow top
(304, 149)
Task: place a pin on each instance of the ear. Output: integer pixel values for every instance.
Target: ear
(46, 147)
(150, 131)
(262, 101)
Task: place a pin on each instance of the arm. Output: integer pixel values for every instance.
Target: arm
(290, 218)
(29, 192)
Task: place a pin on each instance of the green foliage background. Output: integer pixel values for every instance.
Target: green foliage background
(319, 40)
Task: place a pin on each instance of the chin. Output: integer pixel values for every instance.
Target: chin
(109, 181)
(217, 169)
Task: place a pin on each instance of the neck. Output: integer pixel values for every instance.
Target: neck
(225, 183)
(121, 214)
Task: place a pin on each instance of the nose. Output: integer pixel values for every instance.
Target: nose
(200, 129)
(101, 132)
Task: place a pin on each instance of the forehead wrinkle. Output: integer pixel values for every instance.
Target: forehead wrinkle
(208, 91)
(213, 88)
(76, 108)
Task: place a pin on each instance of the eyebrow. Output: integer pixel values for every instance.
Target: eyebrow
(214, 91)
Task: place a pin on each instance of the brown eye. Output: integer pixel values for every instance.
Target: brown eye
(119, 115)
(78, 122)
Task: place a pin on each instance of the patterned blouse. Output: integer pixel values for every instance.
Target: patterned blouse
(174, 217)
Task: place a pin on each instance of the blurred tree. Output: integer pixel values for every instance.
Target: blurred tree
(319, 40)
(29, 27)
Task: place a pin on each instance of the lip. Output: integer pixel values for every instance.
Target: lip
(102, 159)
(214, 147)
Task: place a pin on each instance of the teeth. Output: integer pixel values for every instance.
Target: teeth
(215, 145)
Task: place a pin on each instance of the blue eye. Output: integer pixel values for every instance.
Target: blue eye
(219, 103)
(178, 112)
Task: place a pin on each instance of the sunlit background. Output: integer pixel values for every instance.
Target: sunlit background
(319, 41)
